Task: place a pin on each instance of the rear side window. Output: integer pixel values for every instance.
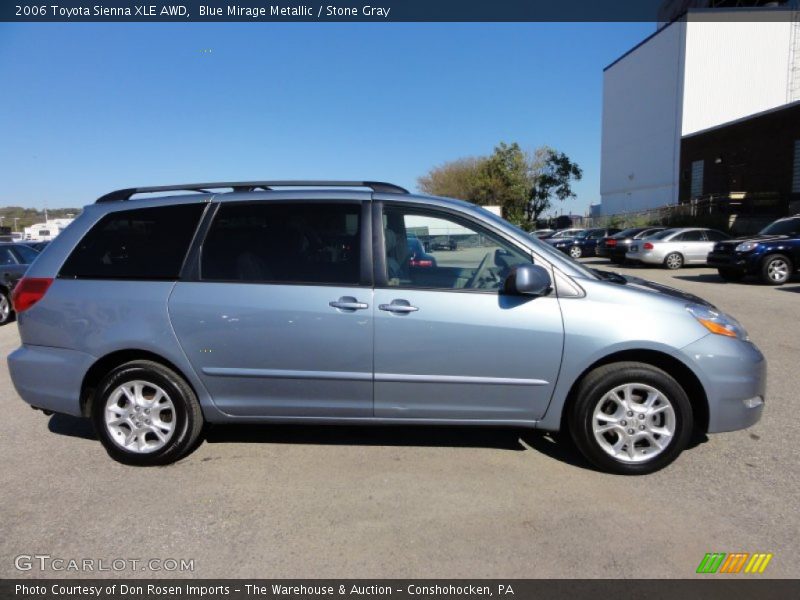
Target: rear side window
(26, 254)
(6, 257)
(315, 243)
(143, 243)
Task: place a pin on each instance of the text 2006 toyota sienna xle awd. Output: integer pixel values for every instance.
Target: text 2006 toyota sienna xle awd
(279, 302)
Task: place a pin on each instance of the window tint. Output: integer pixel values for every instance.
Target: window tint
(26, 254)
(144, 243)
(690, 236)
(6, 257)
(284, 243)
(460, 255)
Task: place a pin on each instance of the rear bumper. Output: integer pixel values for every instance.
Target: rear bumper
(49, 378)
(734, 376)
(649, 258)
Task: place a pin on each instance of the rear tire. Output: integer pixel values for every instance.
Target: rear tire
(6, 311)
(575, 252)
(630, 418)
(731, 275)
(673, 261)
(776, 269)
(145, 414)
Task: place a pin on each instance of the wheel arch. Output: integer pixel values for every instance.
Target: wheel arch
(94, 375)
(674, 367)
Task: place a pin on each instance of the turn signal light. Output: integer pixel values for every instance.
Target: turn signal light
(28, 291)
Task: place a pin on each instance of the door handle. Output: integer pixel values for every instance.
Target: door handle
(348, 303)
(398, 306)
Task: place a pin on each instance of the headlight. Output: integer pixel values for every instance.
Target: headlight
(717, 322)
(746, 246)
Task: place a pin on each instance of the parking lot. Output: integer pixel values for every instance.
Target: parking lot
(416, 502)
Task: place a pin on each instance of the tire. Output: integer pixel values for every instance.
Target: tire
(6, 311)
(671, 412)
(128, 396)
(575, 252)
(776, 269)
(731, 275)
(673, 261)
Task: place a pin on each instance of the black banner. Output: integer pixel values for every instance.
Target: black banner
(713, 587)
(383, 10)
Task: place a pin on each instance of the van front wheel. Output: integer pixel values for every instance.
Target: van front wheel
(630, 418)
(146, 414)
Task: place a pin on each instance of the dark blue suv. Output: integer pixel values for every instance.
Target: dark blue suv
(773, 254)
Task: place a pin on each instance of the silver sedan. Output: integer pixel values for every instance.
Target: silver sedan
(674, 248)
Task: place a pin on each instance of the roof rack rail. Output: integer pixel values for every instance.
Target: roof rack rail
(249, 186)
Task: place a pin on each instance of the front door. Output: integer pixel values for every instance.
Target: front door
(448, 344)
(280, 321)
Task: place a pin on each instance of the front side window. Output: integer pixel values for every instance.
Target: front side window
(142, 243)
(458, 255)
(298, 242)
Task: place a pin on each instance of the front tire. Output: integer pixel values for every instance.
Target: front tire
(776, 269)
(145, 414)
(630, 418)
(673, 261)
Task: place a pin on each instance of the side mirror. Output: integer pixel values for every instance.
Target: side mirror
(528, 280)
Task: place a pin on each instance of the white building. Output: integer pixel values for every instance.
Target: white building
(44, 232)
(708, 68)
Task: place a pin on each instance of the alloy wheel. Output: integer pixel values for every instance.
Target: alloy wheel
(5, 308)
(634, 422)
(778, 270)
(140, 417)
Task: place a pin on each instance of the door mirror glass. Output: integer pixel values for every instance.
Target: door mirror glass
(528, 280)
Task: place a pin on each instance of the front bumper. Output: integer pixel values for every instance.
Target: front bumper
(735, 262)
(734, 375)
(49, 378)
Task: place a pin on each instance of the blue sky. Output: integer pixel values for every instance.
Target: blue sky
(87, 108)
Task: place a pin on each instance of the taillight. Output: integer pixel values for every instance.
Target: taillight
(420, 263)
(611, 242)
(648, 246)
(28, 291)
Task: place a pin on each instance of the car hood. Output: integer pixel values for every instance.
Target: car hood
(753, 238)
(652, 287)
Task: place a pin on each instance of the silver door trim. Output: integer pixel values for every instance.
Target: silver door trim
(401, 378)
(286, 374)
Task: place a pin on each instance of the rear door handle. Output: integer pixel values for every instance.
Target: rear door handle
(398, 306)
(348, 303)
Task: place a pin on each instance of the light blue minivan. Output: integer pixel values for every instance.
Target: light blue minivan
(297, 302)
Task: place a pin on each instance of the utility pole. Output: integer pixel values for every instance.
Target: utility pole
(15, 223)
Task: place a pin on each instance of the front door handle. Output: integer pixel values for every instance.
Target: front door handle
(348, 303)
(398, 306)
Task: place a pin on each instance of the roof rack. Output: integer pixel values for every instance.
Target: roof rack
(249, 186)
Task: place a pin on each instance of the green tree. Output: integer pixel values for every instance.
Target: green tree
(552, 174)
(523, 185)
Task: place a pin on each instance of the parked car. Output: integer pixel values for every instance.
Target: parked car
(237, 303)
(444, 244)
(585, 242)
(614, 247)
(674, 248)
(542, 233)
(14, 261)
(773, 254)
(561, 235)
(417, 255)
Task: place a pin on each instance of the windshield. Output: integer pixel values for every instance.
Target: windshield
(783, 227)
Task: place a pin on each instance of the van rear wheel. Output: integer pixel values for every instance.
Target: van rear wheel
(145, 414)
(630, 418)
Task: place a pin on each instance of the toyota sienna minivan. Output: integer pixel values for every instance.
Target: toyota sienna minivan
(297, 302)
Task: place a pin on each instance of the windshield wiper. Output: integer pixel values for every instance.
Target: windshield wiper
(608, 276)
